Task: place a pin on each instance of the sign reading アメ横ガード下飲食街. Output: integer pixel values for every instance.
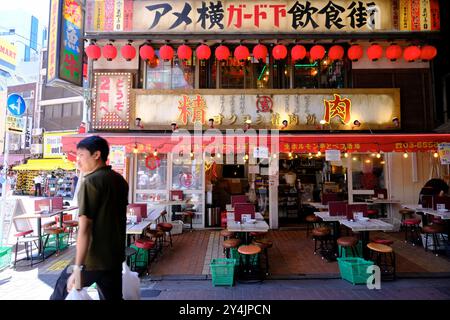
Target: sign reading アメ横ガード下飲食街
(268, 16)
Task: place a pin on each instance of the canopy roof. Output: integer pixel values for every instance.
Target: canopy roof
(46, 165)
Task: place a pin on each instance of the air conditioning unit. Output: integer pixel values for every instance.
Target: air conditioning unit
(37, 131)
(36, 148)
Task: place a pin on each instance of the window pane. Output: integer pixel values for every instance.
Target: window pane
(367, 171)
(187, 176)
(163, 75)
(148, 179)
(67, 110)
(57, 111)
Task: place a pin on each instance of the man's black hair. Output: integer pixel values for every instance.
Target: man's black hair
(95, 143)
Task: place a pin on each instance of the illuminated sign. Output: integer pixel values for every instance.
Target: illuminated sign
(53, 143)
(8, 53)
(111, 108)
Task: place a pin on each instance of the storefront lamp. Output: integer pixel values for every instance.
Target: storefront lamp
(428, 53)
(241, 52)
(93, 51)
(356, 123)
(378, 155)
(393, 52)
(435, 154)
(222, 52)
(203, 52)
(146, 52)
(184, 52)
(298, 52)
(155, 153)
(346, 154)
(355, 52)
(135, 149)
(128, 52)
(279, 52)
(260, 52)
(375, 52)
(405, 155)
(336, 53)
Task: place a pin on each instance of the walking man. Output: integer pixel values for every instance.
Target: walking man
(102, 201)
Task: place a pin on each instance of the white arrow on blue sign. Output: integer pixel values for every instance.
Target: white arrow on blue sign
(16, 104)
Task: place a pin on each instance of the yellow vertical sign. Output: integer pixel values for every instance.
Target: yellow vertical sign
(405, 15)
(53, 39)
(99, 15)
(425, 15)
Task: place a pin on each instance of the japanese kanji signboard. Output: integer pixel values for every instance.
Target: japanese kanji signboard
(303, 109)
(111, 103)
(65, 45)
(262, 16)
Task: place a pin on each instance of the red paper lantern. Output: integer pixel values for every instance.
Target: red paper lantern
(128, 52)
(146, 52)
(428, 53)
(355, 52)
(317, 52)
(298, 52)
(203, 52)
(241, 52)
(93, 51)
(336, 53)
(411, 53)
(222, 52)
(393, 52)
(166, 52)
(279, 52)
(184, 52)
(260, 52)
(109, 52)
(375, 52)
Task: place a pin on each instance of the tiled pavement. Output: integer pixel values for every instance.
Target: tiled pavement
(182, 272)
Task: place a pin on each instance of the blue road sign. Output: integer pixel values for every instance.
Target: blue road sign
(16, 104)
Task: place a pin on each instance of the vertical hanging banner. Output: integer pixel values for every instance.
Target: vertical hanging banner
(65, 45)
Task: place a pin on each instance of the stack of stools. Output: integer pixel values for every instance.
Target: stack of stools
(413, 226)
(323, 234)
(434, 230)
(264, 244)
(249, 271)
(310, 221)
(348, 243)
(384, 258)
(230, 244)
(146, 245)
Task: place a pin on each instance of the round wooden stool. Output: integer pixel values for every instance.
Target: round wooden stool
(145, 245)
(226, 234)
(348, 243)
(166, 227)
(323, 235)
(229, 244)
(434, 230)
(412, 225)
(56, 231)
(249, 262)
(264, 244)
(310, 221)
(384, 258)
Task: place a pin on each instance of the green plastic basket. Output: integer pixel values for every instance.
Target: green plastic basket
(5, 257)
(140, 259)
(222, 271)
(354, 270)
(253, 259)
(347, 251)
(63, 241)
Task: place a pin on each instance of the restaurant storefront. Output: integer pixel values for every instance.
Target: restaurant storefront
(303, 81)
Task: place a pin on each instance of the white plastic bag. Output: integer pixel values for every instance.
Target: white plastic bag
(75, 294)
(130, 284)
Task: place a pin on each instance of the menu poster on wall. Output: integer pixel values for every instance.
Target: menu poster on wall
(117, 159)
(444, 152)
(332, 155)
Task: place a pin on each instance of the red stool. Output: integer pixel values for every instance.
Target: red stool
(348, 242)
(310, 221)
(433, 230)
(372, 213)
(413, 226)
(323, 235)
(146, 245)
(166, 227)
(386, 242)
(229, 244)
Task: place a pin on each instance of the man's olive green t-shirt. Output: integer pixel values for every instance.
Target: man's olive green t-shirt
(103, 198)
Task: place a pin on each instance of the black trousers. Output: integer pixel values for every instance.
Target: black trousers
(37, 187)
(109, 284)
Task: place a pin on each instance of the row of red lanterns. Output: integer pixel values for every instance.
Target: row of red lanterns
(260, 51)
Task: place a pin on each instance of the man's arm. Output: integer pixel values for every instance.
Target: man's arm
(83, 239)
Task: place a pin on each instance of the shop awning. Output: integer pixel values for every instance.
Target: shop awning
(299, 143)
(46, 165)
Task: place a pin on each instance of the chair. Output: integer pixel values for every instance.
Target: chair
(68, 224)
(24, 236)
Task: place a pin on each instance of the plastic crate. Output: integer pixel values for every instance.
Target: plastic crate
(5, 257)
(222, 271)
(63, 241)
(177, 227)
(140, 259)
(354, 270)
(347, 251)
